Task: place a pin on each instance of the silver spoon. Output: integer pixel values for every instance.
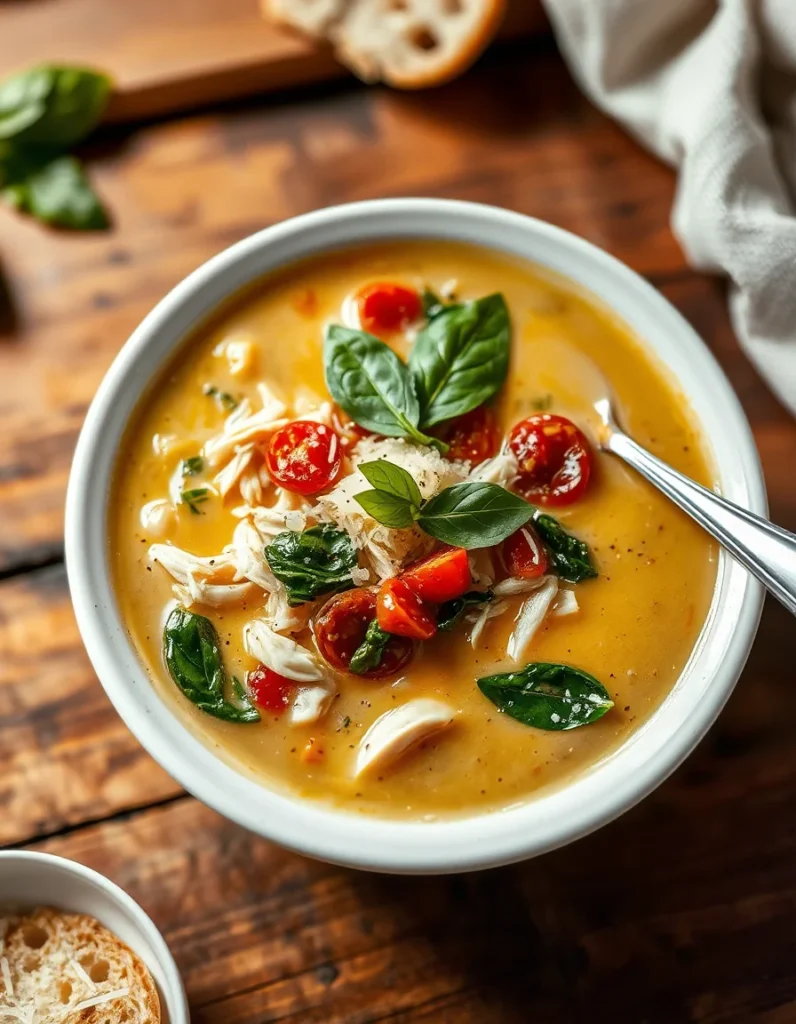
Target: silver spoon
(766, 550)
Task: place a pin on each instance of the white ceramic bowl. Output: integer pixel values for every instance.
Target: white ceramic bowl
(39, 879)
(363, 841)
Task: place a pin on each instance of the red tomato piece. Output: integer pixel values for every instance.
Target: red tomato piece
(269, 689)
(473, 437)
(400, 611)
(524, 554)
(555, 459)
(440, 577)
(340, 628)
(385, 307)
(304, 457)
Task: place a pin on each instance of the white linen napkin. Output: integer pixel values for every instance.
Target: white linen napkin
(710, 86)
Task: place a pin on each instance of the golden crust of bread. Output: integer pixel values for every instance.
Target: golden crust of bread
(385, 59)
(57, 961)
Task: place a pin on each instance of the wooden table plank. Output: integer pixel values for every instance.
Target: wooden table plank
(510, 134)
(65, 755)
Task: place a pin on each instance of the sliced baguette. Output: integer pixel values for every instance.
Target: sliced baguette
(62, 968)
(410, 44)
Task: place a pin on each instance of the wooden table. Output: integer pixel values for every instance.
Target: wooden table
(683, 910)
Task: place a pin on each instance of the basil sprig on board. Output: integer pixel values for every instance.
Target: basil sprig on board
(368, 380)
(317, 561)
(466, 515)
(43, 113)
(570, 558)
(193, 658)
(461, 357)
(370, 652)
(548, 696)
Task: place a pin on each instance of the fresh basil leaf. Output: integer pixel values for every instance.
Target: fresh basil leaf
(317, 561)
(193, 658)
(461, 358)
(570, 557)
(56, 192)
(451, 612)
(387, 509)
(387, 477)
(432, 304)
(474, 515)
(548, 696)
(52, 106)
(370, 652)
(368, 380)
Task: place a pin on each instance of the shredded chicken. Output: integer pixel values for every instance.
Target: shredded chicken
(566, 603)
(501, 470)
(293, 661)
(234, 469)
(531, 616)
(481, 616)
(289, 512)
(250, 564)
(482, 567)
(398, 729)
(208, 580)
(243, 426)
(157, 517)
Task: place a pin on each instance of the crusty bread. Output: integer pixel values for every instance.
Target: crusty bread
(407, 43)
(67, 968)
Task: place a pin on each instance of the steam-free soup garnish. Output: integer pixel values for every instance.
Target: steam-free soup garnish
(367, 549)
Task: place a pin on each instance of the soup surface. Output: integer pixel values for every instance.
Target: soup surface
(196, 504)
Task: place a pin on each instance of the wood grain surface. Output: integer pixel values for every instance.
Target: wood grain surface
(184, 53)
(682, 910)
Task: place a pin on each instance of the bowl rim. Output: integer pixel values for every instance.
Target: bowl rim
(488, 839)
(175, 996)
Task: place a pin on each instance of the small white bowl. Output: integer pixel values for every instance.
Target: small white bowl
(483, 840)
(42, 880)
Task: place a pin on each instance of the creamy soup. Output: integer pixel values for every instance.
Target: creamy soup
(497, 546)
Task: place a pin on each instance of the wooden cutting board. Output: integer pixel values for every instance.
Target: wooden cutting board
(168, 55)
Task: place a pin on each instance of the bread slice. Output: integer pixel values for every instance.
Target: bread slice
(68, 968)
(410, 44)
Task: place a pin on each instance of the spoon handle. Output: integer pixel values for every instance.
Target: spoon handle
(766, 550)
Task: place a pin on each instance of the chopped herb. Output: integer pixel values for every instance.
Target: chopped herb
(193, 466)
(195, 497)
(346, 721)
(542, 404)
(432, 304)
(224, 398)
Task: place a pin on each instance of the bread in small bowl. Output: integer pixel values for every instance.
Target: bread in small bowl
(68, 968)
(410, 44)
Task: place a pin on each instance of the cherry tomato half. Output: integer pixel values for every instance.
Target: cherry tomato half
(385, 307)
(269, 689)
(400, 611)
(473, 437)
(304, 457)
(340, 628)
(555, 459)
(440, 577)
(524, 555)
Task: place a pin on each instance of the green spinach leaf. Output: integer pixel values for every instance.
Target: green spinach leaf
(52, 106)
(317, 561)
(461, 358)
(570, 557)
(368, 380)
(370, 652)
(474, 515)
(548, 696)
(451, 612)
(193, 658)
